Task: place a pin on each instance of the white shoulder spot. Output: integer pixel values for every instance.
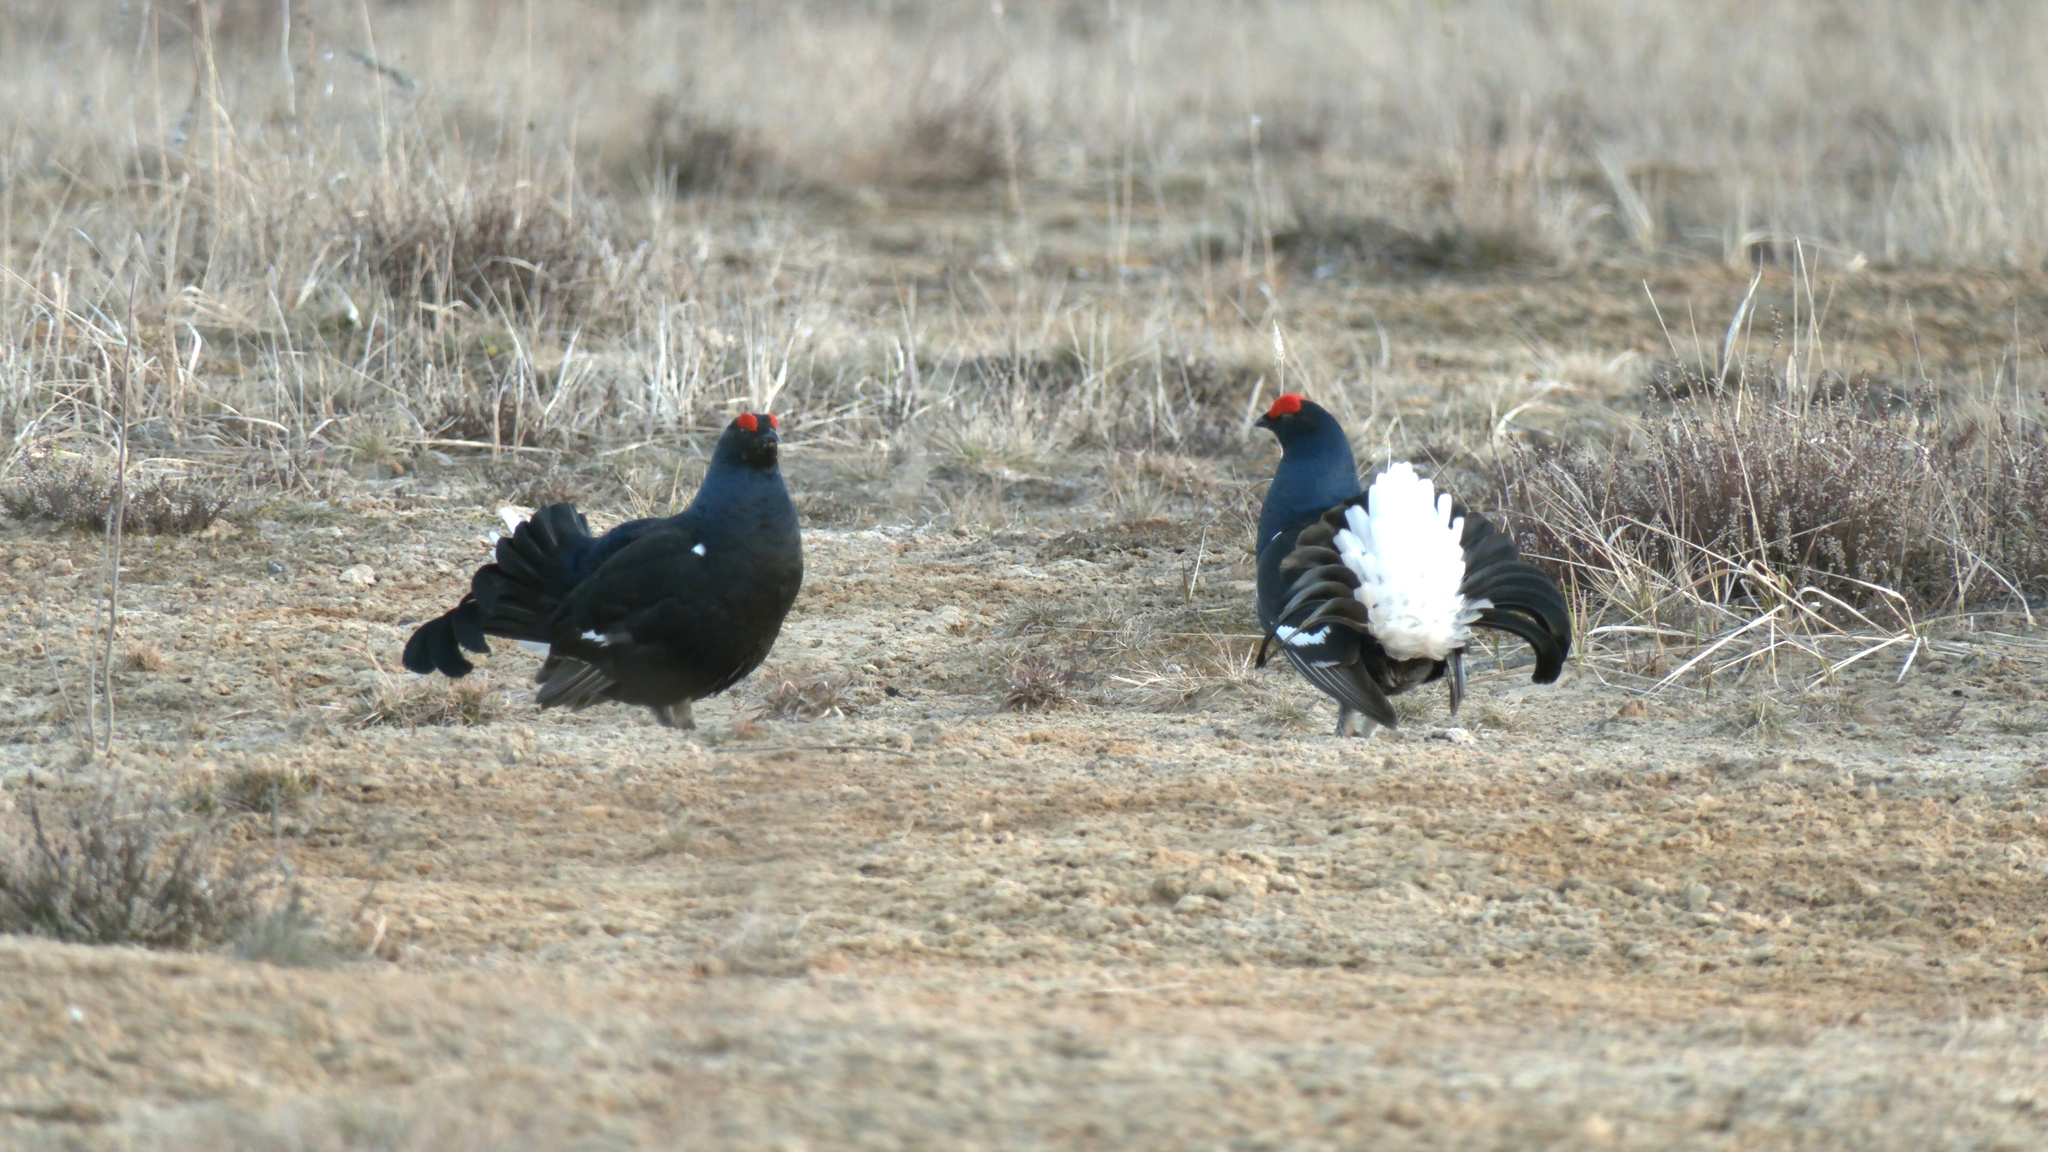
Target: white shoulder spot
(596, 637)
(1295, 638)
(698, 549)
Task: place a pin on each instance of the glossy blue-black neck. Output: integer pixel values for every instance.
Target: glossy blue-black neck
(743, 490)
(1316, 472)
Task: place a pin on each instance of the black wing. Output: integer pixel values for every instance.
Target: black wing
(659, 607)
(1322, 627)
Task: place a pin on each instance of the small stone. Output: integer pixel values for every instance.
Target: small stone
(1192, 904)
(1452, 735)
(1696, 897)
(62, 566)
(360, 575)
(1597, 1130)
(1631, 710)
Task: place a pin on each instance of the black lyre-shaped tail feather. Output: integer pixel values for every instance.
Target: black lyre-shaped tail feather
(512, 597)
(1526, 602)
(437, 645)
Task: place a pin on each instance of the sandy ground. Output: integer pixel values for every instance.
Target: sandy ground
(1173, 915)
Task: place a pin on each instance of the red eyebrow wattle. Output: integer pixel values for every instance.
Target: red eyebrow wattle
(747, 422)
(1286, 405)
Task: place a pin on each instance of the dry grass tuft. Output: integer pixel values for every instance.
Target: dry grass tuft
(1753, 485)
(289, 937)
(764, 945)
(113, 872)
(693, 153)
(809, 698)
(1761, 717)
(1325, 242)
(255, 788)
(459, 703)
(1420, 706)
(82, 494)
(144, 657)
(1776, 510)
(2020, 720)
(956, 139)
(1036, 683)
(502, 251)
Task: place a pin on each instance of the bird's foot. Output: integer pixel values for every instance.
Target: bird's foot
(674, 716)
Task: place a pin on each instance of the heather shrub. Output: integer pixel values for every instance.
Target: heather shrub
(1744, 489)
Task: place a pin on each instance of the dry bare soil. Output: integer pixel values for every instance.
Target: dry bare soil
(1175, 914)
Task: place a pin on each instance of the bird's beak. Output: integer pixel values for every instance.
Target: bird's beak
(1265, 422)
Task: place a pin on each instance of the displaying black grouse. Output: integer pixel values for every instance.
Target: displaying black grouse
(657, 612)
(1373, 593)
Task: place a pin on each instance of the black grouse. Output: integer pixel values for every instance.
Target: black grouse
(657, 612)
(1373, 593)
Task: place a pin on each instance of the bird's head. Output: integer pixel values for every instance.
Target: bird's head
(751, 440)
(1295, 418)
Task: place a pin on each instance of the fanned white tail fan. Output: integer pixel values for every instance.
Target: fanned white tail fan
(1406, 548)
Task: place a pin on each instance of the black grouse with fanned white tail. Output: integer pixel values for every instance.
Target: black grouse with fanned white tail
(656, 613)
(1372, 593)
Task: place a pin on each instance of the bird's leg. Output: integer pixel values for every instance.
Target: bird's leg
(674, 715)
(1350, 723)
(1456, 661)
